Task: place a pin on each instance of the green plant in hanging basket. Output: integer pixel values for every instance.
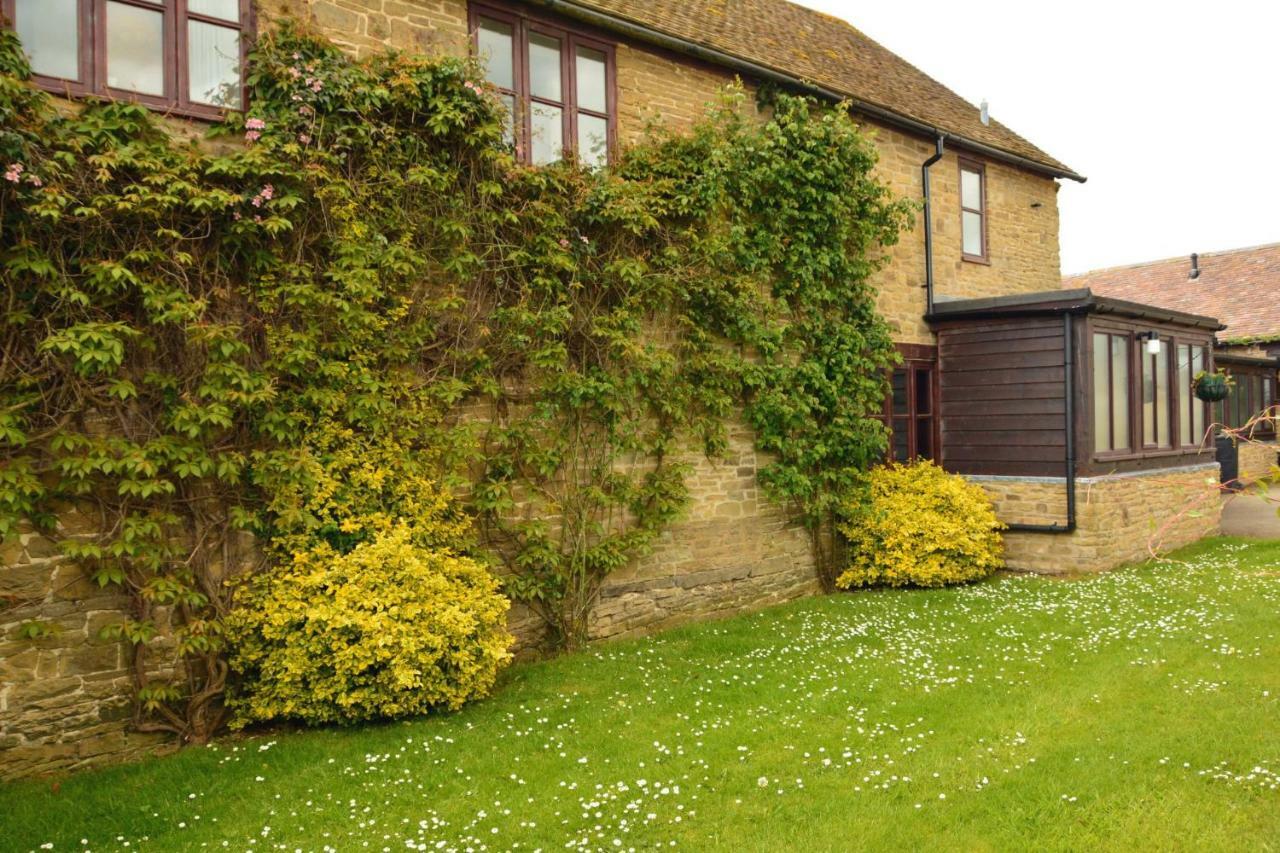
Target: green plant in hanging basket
(1212, 387)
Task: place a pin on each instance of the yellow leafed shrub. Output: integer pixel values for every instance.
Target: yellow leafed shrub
(921, 526)
(390, 629)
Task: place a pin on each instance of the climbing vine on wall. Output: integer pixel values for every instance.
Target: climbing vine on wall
(353, 305)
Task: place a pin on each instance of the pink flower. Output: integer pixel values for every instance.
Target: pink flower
(267, 192)
(304, 138)
(255, 124)
(316, 86)
(235, 215)
(564, 243)
(253, 136)
(35, 181)
(14, 173)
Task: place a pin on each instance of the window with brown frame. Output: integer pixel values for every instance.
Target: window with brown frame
(557, 84)
(1111, 389)
(1252, 395)
(183, 56)
(1190, 361)
(1142, 400)
(1156, 397)
(973, 211)
(911, 408)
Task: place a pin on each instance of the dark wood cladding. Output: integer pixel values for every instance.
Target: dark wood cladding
(1003, 396)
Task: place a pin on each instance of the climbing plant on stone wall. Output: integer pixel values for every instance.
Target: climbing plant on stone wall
(358, 308)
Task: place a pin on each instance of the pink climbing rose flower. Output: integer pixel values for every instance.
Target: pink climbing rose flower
(14, 173)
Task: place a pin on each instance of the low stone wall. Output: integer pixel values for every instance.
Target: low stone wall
(732, 551)
(65, 699)
(1257, 460)
(1120, 518)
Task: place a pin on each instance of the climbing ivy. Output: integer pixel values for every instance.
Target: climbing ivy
(353, 305)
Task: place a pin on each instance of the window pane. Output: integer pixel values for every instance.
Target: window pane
(899, 385)
(970, 190)
(547, 125)
(544, 67)
(591, 80)
(924, 392)
(593, 140)
(1164, 398)
(1148, 398)
(214, 63)
(924, 439)
(1186, 400)
(227, 10)
(901, 447)
(1197, 412)
(1120, 391)
(1101, 392)
(496, 49)
(135, 49)
(509, 121)
(50, 36)
(972, 223)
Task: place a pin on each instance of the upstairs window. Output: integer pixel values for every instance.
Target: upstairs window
(183, 56)
(973, 211)
(558, 86)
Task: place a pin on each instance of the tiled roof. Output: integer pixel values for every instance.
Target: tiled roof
(1241, 287)
(824, 50)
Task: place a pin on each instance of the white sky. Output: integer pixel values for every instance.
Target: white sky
(1171, 109)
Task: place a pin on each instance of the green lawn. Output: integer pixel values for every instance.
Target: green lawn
(1137, 709)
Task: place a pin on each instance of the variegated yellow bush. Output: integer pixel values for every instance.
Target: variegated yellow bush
(390, 629)
(918, 525)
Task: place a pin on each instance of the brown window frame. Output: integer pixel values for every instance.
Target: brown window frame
(1162, 442)
(1138, 448)
(980, 169)
(571, 38)
(917, 359)
(92, 34)
(1128, 449)
(1191, 442)
(1246, 400)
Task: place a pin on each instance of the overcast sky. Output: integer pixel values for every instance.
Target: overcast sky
(1171, 109)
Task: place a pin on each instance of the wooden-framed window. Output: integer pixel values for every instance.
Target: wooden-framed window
(1142, 400)
(558, 84)
(182, 56)
(1112, 368)
(1190, 360)
(1157, 396)
(911, 410)
(973, 211)
(1252, 395)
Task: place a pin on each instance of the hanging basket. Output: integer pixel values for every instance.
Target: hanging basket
(1212, 387)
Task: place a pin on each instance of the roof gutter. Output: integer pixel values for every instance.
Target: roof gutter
(763, 72)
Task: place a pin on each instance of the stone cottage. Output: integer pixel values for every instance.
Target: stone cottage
(1029, 389)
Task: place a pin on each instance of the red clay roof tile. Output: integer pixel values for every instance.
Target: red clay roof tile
(1241, 287)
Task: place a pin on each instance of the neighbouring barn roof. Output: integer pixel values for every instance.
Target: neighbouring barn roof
(1241, 287)
(824, 50)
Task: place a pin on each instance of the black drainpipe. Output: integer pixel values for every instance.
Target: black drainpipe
(1068, 359)
(928, 225)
